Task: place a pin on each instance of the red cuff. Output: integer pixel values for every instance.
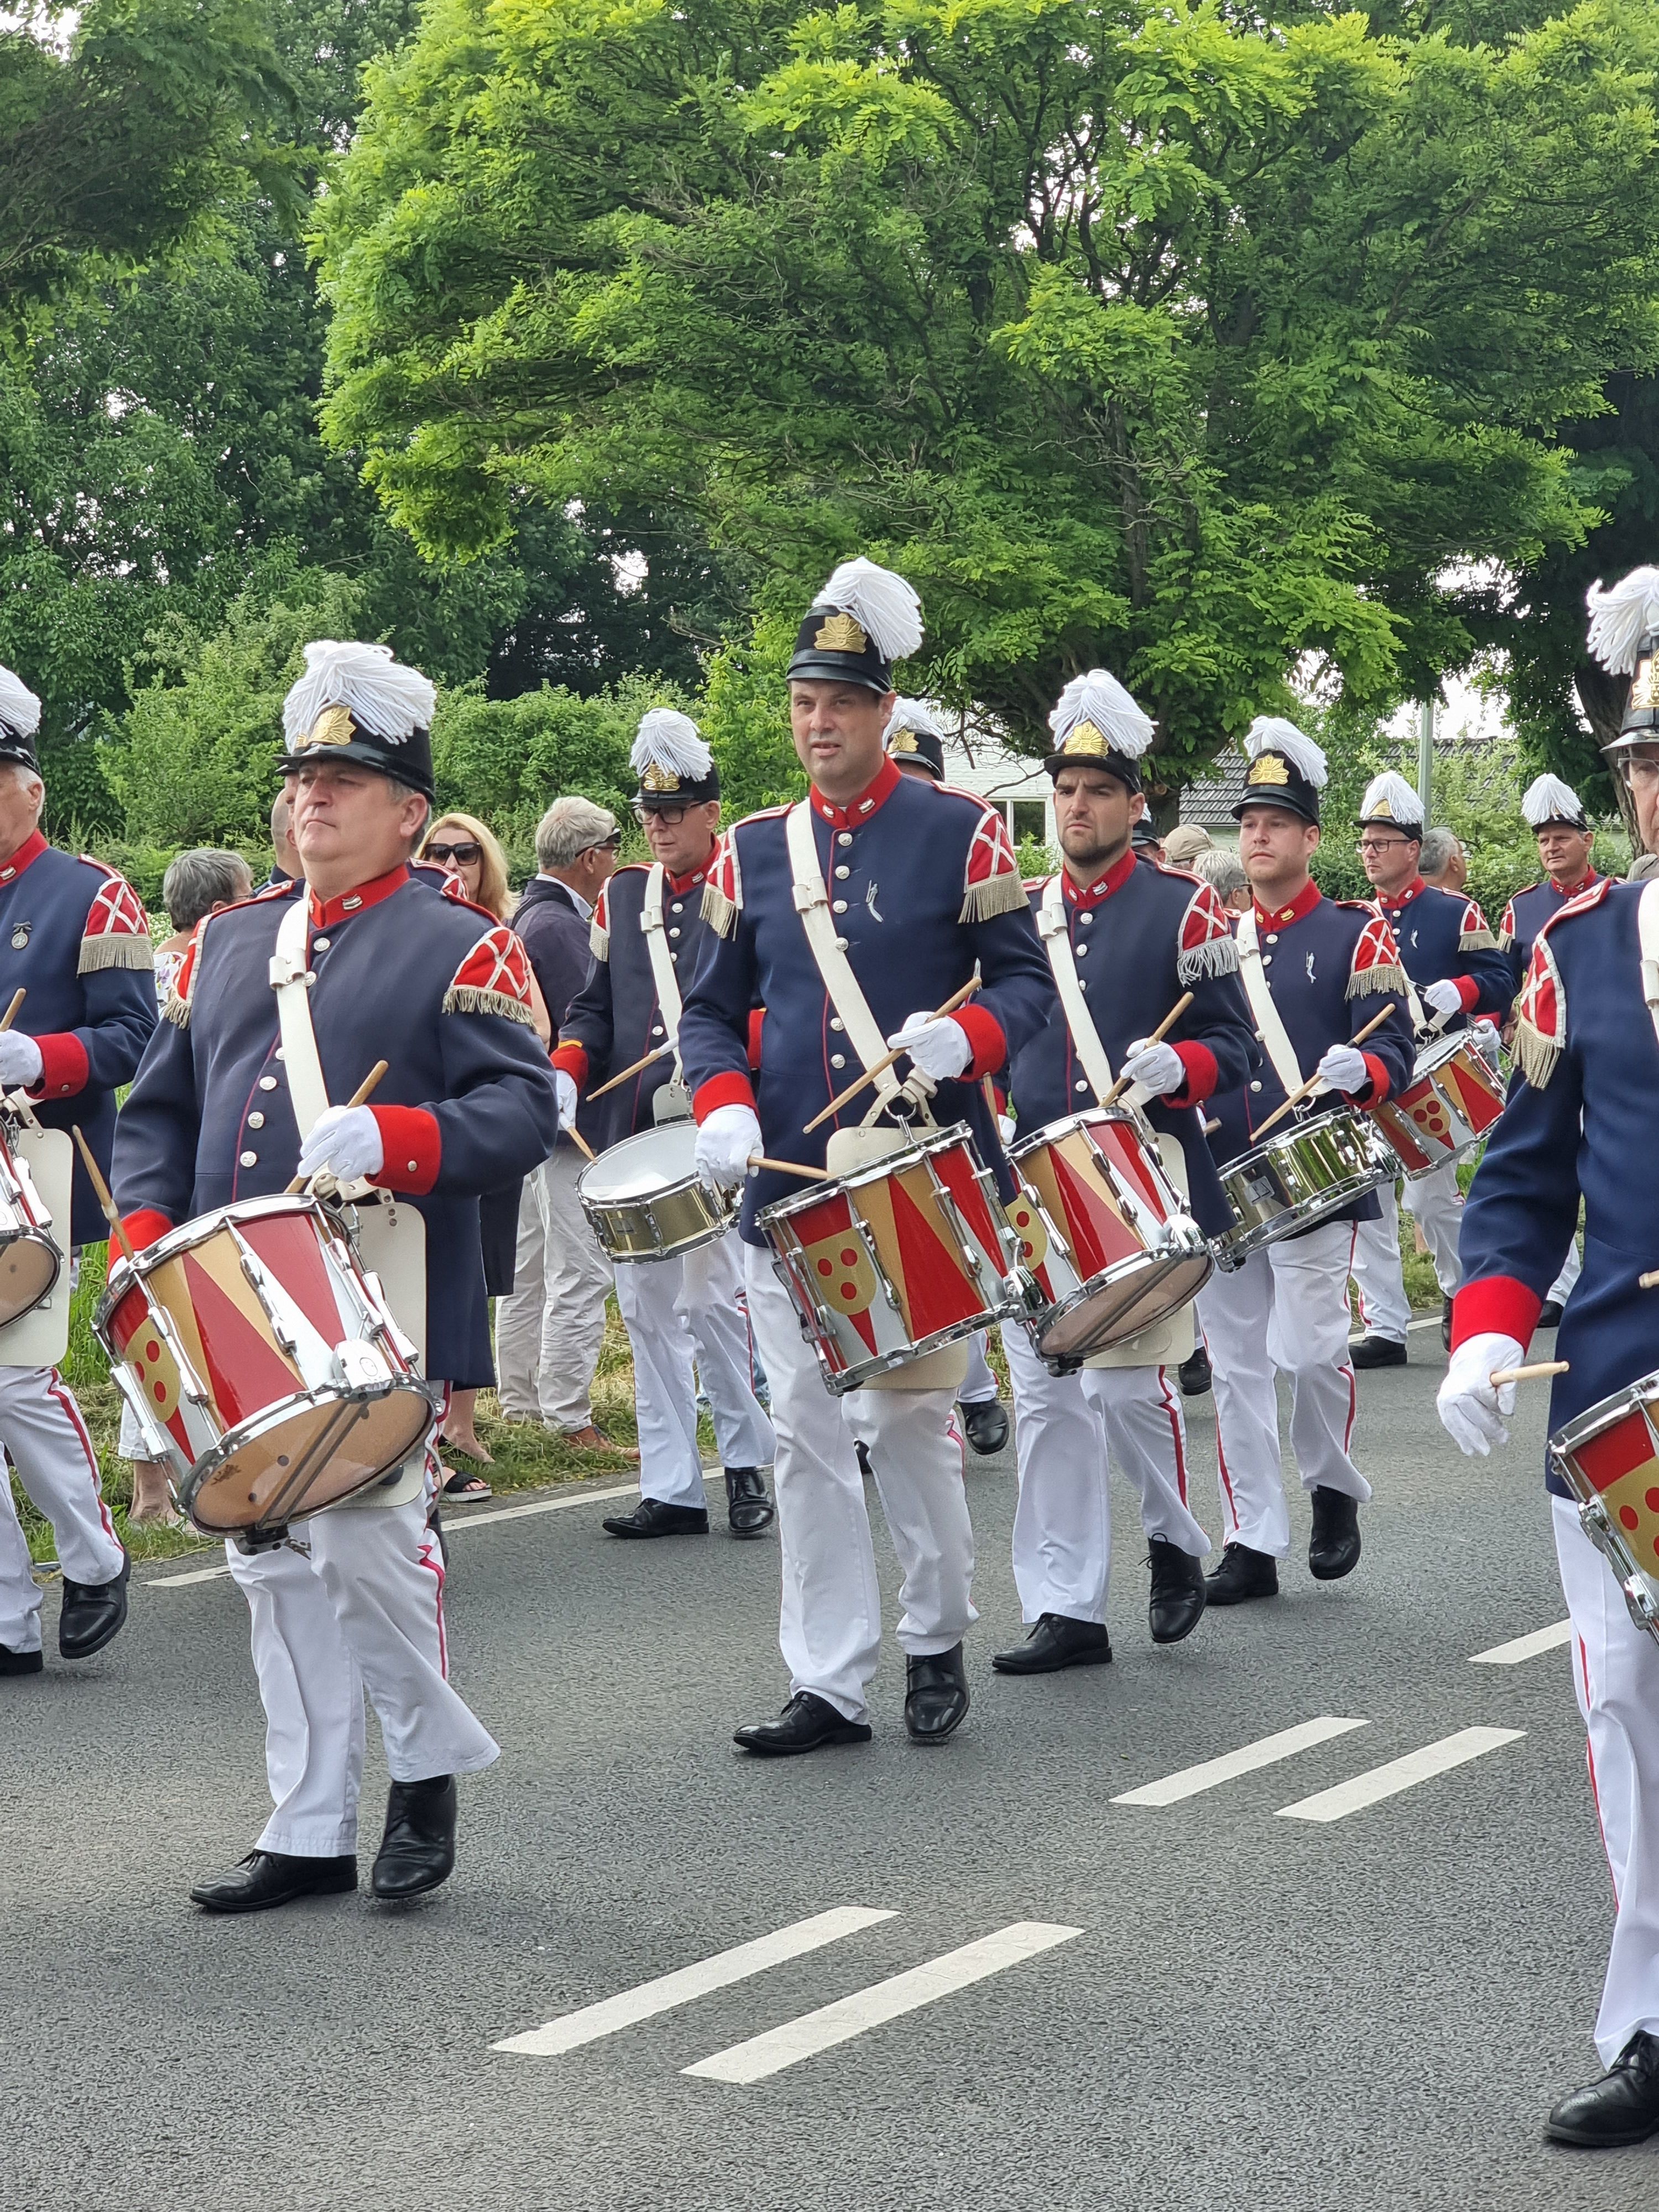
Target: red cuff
(1496, 1306)
(1379, 1086)
(1203, 1075)
(985, 1040)
(734, 1089)
(65, 1066)
(144, 1227)
(756, 1016)
(1467, 990)
(571, 1058)
(412, 1144)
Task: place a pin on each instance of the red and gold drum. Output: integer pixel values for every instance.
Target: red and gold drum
(1608, 1458)
(31, 1259)
(1452, 1099)
(263, 1365)
(897, 1259)
(1104, 1233)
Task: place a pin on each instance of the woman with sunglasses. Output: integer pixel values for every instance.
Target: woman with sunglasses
(470, 856)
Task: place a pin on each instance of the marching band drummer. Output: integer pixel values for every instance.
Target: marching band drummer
(232, 1095)
(648, 935)
(1125, 936)
(1579, 1122)
(1315, 971)
(1453, 964)
(872, 897)
(73, 936)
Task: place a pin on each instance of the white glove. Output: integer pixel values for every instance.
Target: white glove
(1005, 1129)
(724, 1142)
(1471, 1411)
(938, 1045)
(1343, 1068)
(1156, 1068)
(345, 1143)
(564, 1089)
(20, 1060)
(1445, 997)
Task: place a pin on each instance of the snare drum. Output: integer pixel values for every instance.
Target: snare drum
(896, 1259)
(31, 1259)
(1104, 1233)
(644, 1200)
(264, 1366)
(1609, 1458)
(1452, 1101)
(1296, 1177)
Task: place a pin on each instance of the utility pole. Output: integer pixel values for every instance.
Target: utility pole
(1425, 758)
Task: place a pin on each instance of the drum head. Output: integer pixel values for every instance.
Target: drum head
(335, 1448)
(28, 1269)
(641, 1166)
(1124, 1308)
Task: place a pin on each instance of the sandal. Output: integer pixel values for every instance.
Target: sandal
(466, 1489)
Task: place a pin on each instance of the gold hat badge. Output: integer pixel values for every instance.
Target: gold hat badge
(840, 634)
(658, 779)
(904, 741)
(1084, 737)
(333, 726)
(1268, 767)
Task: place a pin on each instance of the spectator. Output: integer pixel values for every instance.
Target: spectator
(1643, 868)
(1220, 868)
(287, 868)
(548, 1333)
(1185, 842)
(1443, 860)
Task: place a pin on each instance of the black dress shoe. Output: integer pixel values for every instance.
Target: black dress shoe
(807, 1723)
(1549, 1317)
(1243, 1575)
(651, 1517)
(92, 1614)
(986, 1426)
(1445, 1322)
(1178, 1599)
(19, 1662)
(748, 1509)
(1622, 2107)
(1057, 1641)
(1377, 1352)
(935, 1695)
(1333, 1546)
(268, 1878)
(417, 1850)
(1196, 1375)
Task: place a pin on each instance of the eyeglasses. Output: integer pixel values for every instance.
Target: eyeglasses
(670, 817)
(1640, 770)
(1376, 845)
(466, 854)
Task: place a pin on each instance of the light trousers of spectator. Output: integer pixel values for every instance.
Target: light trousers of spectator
(548, 1333)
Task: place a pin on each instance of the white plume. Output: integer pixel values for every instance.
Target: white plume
(1546, 799)
(20, 710)
(1390, 795)
(914, 715)
(884, 607)
(1099, 698)
(1272, 733)
(670, 740)
(386, 698)
(1621, 618)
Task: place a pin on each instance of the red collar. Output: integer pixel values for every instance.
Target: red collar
(680, 884)
(326, 913)
(1114, 880)
(888, 780)
(1303, 903)
(1396, 901)
(30, 849)
(1591, 878)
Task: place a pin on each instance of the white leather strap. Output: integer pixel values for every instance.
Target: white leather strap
(662, 963)
(1057, 943)
(842, 985)
(291, 981)
(1647, 938)
(1275, 1038)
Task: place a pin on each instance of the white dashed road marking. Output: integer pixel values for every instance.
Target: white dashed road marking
(1381, 1782)
(1191, 1781)
(1525, 1647)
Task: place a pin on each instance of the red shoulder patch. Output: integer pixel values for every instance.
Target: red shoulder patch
(493, 979)
(116, 910)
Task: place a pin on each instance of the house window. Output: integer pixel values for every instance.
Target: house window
(1030, 819)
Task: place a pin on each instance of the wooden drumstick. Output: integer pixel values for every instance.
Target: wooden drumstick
(957, 999)
(10, 1014)
(569, 1129)
(1156, 1037)
(790, 1168)
(1649, 1281)
(643, 1062)
(1315, 1081)
(1534, 1372)
(359, 1097)
(101, 1188)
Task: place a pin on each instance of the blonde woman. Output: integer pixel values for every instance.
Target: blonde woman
(468, 852)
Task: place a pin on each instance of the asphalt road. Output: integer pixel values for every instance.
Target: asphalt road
(1253, 2011)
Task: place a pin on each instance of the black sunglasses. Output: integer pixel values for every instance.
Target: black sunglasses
(465, 853)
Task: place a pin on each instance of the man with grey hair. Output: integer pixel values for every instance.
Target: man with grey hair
(549, 1332)
(1443, 860)
(1222, 869)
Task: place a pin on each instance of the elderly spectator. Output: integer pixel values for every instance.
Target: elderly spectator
(1443, 860)
(1221, 869)
(1185, 842)
(548, 1333)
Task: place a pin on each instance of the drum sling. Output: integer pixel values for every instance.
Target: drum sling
(673, 1101)
(1270, 1028)
(1057, 943)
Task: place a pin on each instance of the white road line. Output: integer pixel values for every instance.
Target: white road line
(451, 1528)
(883, 2001)
(572, 2029)
(1380, 1782)
(1525, 1647)
(1189, 1781)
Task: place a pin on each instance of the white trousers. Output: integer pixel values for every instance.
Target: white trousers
(1384, 1308)
(548, 1333)
(46, 1442)
(360, 1607)
(829, 1621)
(981, 1387)
(1287, 1308)
(1069, 1431)
(1615, 1674)
(673, 1308)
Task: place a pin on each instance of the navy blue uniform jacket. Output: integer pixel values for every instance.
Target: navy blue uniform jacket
(923, 884)
(405, 974)
(1141, 936)
(1444, 938)
(557, 940)
(1525, 916)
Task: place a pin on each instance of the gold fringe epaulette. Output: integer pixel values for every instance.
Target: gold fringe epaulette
(1534, 1055)
(999, 894)
(113, 949)
(598, 940)
(1217, 956)
(1386, 976)
(718, 912)
(470, 999)
(176, 1010)
(1477, 940)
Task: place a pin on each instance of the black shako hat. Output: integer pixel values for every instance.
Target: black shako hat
(357, 702)
(915, 738)
(20, 719)
(1095, 723)
(1548, 804)
(672, 761)
(1624, 636)
(863, 620)
(1287, 768)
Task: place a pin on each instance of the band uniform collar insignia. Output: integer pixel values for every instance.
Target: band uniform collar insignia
(839, 633)
(1268, 767)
